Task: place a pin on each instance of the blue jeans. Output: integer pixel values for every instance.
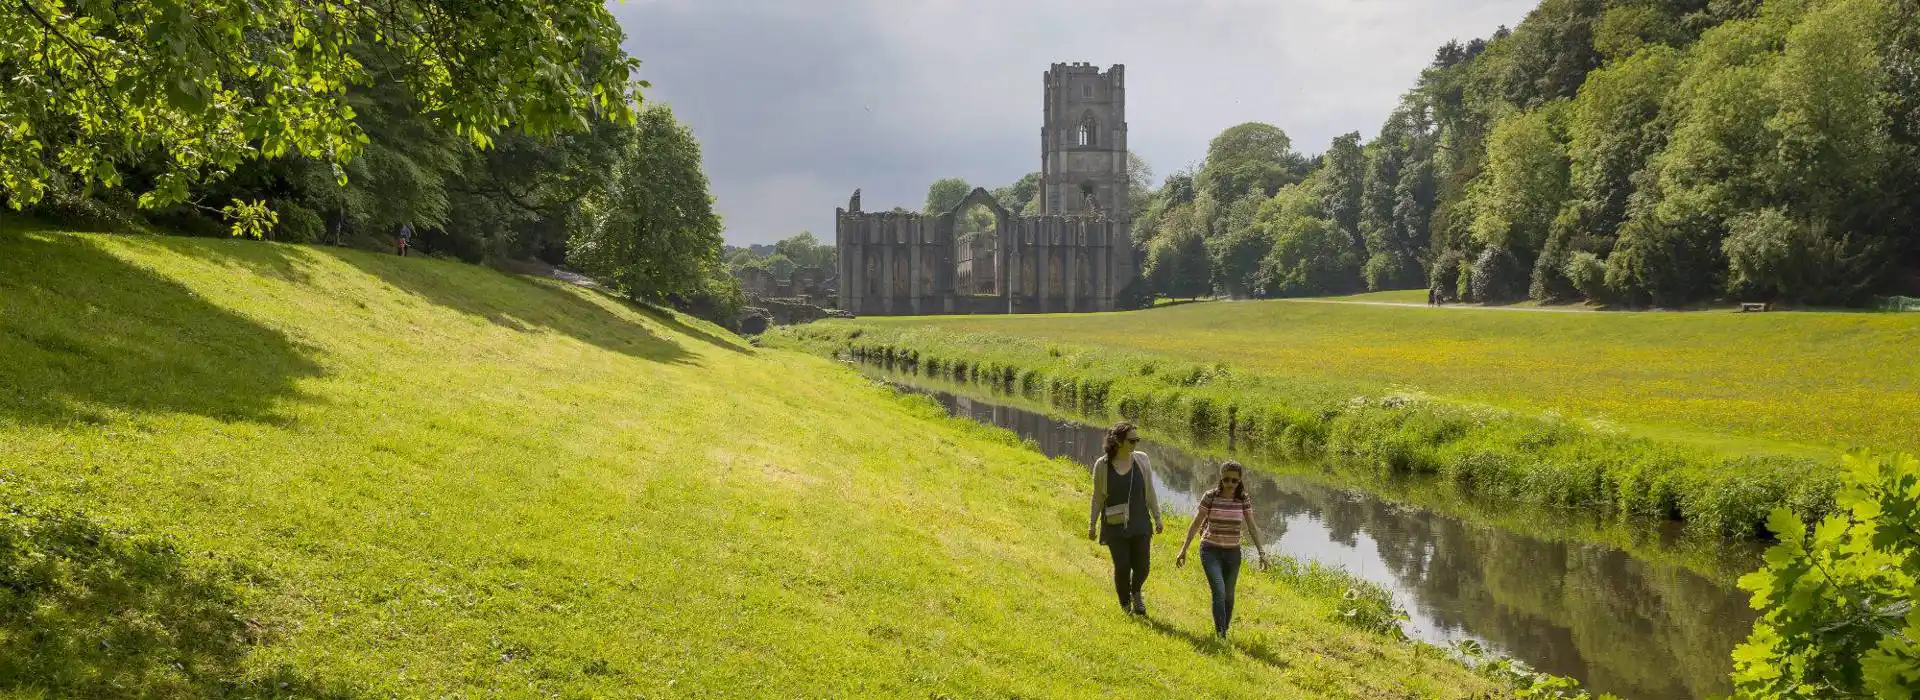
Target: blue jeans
(1222, 565)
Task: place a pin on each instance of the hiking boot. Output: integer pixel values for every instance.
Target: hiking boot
(1139, 605)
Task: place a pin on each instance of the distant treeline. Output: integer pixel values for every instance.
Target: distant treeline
(1628, 152)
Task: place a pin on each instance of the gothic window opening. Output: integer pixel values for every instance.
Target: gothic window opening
(1087, 128)
(976, 250)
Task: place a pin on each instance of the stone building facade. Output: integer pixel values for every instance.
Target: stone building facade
(1076, 255)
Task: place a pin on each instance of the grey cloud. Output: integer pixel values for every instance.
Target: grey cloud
(796, 104)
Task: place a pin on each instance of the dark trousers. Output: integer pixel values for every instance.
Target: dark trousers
(1131, 557)
(1222, 565)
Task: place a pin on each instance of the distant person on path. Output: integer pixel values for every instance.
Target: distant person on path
(404, 240)
(1126, 513)
(1223, 511)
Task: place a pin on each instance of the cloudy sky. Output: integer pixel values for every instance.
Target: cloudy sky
(796, 103)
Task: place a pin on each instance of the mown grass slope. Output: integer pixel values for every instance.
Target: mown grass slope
(289, 470)
(1774, 382)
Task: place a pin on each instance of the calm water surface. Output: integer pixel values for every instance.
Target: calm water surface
(1621, 625)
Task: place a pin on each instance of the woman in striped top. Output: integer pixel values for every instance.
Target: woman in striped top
(1223, 511)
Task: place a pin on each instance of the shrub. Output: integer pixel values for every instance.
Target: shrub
(1390, 270)
(1838, 605)
(1444, 281)
(1588, 274)
(1497, 276)
(1770, 256)
(299, 224)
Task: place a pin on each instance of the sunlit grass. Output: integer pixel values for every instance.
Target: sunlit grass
(417, 478)
(1781, 382)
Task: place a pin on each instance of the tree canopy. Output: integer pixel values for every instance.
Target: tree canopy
(161, 96)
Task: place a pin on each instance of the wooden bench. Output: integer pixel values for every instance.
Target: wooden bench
(1747, 306)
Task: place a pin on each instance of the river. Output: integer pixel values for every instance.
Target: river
(1619, 624)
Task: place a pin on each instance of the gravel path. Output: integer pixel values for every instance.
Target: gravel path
(1456, 307)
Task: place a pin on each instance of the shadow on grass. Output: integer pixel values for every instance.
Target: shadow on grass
(90, 612)
(518, 303)
(1210, 646)
(81, 326)
(671, 321)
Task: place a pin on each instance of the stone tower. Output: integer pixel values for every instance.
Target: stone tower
(1083, 146)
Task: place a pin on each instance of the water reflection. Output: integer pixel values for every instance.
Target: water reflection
(1621, 625)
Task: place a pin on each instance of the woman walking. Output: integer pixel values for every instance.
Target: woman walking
(1222, 513)
(1126, 513)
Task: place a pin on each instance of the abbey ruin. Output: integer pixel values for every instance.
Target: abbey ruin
(1076, 254)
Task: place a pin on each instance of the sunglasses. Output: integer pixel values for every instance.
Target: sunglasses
(1230, 480)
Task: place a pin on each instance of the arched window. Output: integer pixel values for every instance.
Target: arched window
(1087, 130)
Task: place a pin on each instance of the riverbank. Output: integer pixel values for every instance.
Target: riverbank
(332, 473)
(1516, 586)
(1801, 383)
(1492, 453)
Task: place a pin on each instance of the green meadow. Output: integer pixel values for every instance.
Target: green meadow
(247, 469)
(1796, 382)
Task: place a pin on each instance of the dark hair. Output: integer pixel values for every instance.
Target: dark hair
(1239, 488)
(1114, 434)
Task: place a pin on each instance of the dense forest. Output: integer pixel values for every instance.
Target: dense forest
(340, 123)
(1626, 152)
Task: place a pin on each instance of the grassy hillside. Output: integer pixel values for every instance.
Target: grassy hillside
(1806, 382)
(314, 472)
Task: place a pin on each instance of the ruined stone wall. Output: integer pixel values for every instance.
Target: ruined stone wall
(904, 264)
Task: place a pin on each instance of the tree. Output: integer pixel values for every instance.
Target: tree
(1345, 177)
(780, 265)
(1017, 196)
(1310, 254)
(1177, 264)
(742, 258)
(945, 194)
(1249, 155)
(655, 233)
(1139, 185)
(805, 250)
(1613, 128)
(1524, 183)
(1237, 247)
(95, 88)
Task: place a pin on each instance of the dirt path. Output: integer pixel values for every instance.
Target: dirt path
(1455, 307)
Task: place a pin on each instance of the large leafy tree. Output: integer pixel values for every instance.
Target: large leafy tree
(1310, 255)
(806, 250)
(178, 94)
(945, 194)
(654, 235)
(1177, 263)
(1247, 156)
(1019, 195)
